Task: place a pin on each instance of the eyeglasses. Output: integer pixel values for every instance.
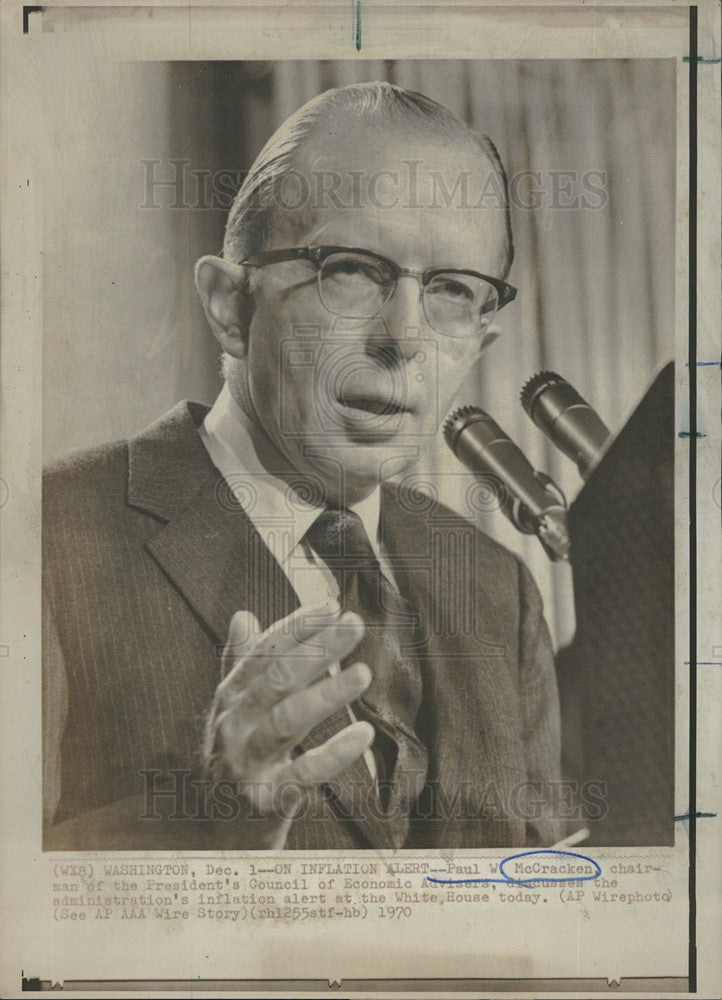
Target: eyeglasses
(357, 284)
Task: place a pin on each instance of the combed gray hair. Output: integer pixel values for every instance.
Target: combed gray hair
(254, 209)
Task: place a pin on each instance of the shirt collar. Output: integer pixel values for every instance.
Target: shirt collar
(268, 500)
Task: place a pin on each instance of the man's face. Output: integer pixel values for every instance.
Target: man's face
(317, 382)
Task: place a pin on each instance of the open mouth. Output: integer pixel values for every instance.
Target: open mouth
(372, 404)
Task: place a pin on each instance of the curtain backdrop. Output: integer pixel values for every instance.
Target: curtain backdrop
(596, 283)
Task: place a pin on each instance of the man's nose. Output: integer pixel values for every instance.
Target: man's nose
(402, 322)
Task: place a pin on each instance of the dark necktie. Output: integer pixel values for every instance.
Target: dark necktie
(392, 702)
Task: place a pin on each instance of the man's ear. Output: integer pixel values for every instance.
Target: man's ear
(227, 301)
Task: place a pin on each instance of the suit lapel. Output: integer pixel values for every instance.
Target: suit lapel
(208, 547)
(439, 568)
(216, 558)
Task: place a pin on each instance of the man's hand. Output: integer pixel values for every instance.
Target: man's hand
(276, 690)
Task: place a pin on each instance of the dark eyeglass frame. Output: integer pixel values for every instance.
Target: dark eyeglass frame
(317, 255)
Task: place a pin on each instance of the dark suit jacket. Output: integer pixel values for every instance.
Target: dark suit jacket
(147, 555)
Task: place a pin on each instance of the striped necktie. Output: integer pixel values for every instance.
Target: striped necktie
(392, 702)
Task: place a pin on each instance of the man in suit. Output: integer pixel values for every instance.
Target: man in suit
(253, 637)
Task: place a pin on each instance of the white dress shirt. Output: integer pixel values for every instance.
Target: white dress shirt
(279, 515)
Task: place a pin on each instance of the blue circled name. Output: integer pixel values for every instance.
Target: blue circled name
(510, 880)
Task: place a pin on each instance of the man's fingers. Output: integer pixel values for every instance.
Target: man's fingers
(242, 635)
(288, 721)
(323, 763)
(304, 664)
(253, 653)
(295, 629)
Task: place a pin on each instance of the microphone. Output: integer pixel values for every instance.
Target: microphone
(568, 420)
(532, 502)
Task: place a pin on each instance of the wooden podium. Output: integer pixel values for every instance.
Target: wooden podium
(616, 679)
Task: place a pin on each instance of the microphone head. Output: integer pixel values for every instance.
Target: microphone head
(536, 386)
(458, 420)
(566, 418)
